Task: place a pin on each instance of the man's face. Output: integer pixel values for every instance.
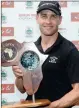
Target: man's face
(48, 22)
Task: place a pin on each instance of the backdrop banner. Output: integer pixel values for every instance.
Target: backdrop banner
(19, 23)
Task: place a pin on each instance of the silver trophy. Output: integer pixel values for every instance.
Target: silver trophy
(29, 59)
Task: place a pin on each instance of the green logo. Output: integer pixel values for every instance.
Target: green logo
(3, 75)
(29, 4)
(4, 18)
(29, 32)
(3, 101)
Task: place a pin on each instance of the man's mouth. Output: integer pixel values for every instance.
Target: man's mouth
(48, 27)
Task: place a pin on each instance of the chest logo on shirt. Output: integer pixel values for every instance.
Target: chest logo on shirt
(53, 59)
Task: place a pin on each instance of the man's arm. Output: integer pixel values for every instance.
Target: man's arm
(19, 84)
(70, 99)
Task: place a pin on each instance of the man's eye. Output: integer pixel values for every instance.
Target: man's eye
(43, 16)
(54, 16)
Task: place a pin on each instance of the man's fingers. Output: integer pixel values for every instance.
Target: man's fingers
(18, 74)
(17, 71)
(15, 67)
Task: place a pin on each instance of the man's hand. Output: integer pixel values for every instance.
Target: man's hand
(19, 78)
(54, 104)
(69, 99)
(17, 71)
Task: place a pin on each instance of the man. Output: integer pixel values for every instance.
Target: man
(60, 82)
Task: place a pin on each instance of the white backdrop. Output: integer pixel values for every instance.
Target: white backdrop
(18, 22)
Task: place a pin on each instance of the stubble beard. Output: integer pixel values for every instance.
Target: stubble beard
(49, 33)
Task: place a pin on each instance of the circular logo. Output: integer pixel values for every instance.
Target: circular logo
(8, 53)
(3, 101)
(3, 74)
(30, 60)
(4, 18)
(29, 4)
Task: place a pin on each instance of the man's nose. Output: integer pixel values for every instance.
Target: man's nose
(48, 20)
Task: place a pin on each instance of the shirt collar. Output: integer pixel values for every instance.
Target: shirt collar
(58, 41)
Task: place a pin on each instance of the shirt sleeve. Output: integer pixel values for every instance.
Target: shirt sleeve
(73, 66)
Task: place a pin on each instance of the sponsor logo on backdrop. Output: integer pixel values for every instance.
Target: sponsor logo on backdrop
(3, 75)
(27, 16)
(3, 101)
(75, 3)
(62, 30)
(29, 32)
(63, 3)
(4, 18)
(7, 31)
(75, 16)
(76, 43)
(7, 4)
(7, 88)
(29, 4)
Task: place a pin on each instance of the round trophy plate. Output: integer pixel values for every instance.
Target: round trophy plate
(9, 51)
(29, 104)
(30, 60)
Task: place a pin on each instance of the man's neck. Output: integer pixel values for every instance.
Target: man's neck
(48, 41)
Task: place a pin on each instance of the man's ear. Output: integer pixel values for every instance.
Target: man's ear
(60, 19)
(37, 18)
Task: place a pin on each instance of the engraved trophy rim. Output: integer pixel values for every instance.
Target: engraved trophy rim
(9, 43)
